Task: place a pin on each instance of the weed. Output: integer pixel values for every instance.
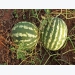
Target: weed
(15, 14)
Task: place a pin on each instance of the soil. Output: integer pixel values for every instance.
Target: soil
(7, 57)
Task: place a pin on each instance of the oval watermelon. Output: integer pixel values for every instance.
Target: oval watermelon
(54, 34)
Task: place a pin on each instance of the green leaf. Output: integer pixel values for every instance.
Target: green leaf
(15, 14)
(12, 48)
(20, 55)
(47, 11)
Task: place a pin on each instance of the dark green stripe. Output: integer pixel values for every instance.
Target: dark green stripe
(44, 33)
(49, 32)
(23, 31)
(55, 29)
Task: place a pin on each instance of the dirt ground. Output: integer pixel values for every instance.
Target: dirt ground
(7, 57)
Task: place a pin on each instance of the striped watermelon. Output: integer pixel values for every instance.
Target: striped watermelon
(26, 33)
(54, 34)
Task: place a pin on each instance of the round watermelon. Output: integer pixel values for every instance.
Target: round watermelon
(26, 34)
(54, 34)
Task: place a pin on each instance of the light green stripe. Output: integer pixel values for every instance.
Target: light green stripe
(53, 34)
(60, 36)
(31, 44)
(22, 30)
(29, 24)
(63, 38)
(56, 36)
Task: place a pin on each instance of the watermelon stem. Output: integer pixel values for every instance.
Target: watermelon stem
(59, 13)
(71, 42)
(50, 57)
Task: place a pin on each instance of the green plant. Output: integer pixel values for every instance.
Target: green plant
(15, 14)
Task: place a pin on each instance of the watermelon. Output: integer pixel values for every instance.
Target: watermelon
(26, 34)
(54, 34)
